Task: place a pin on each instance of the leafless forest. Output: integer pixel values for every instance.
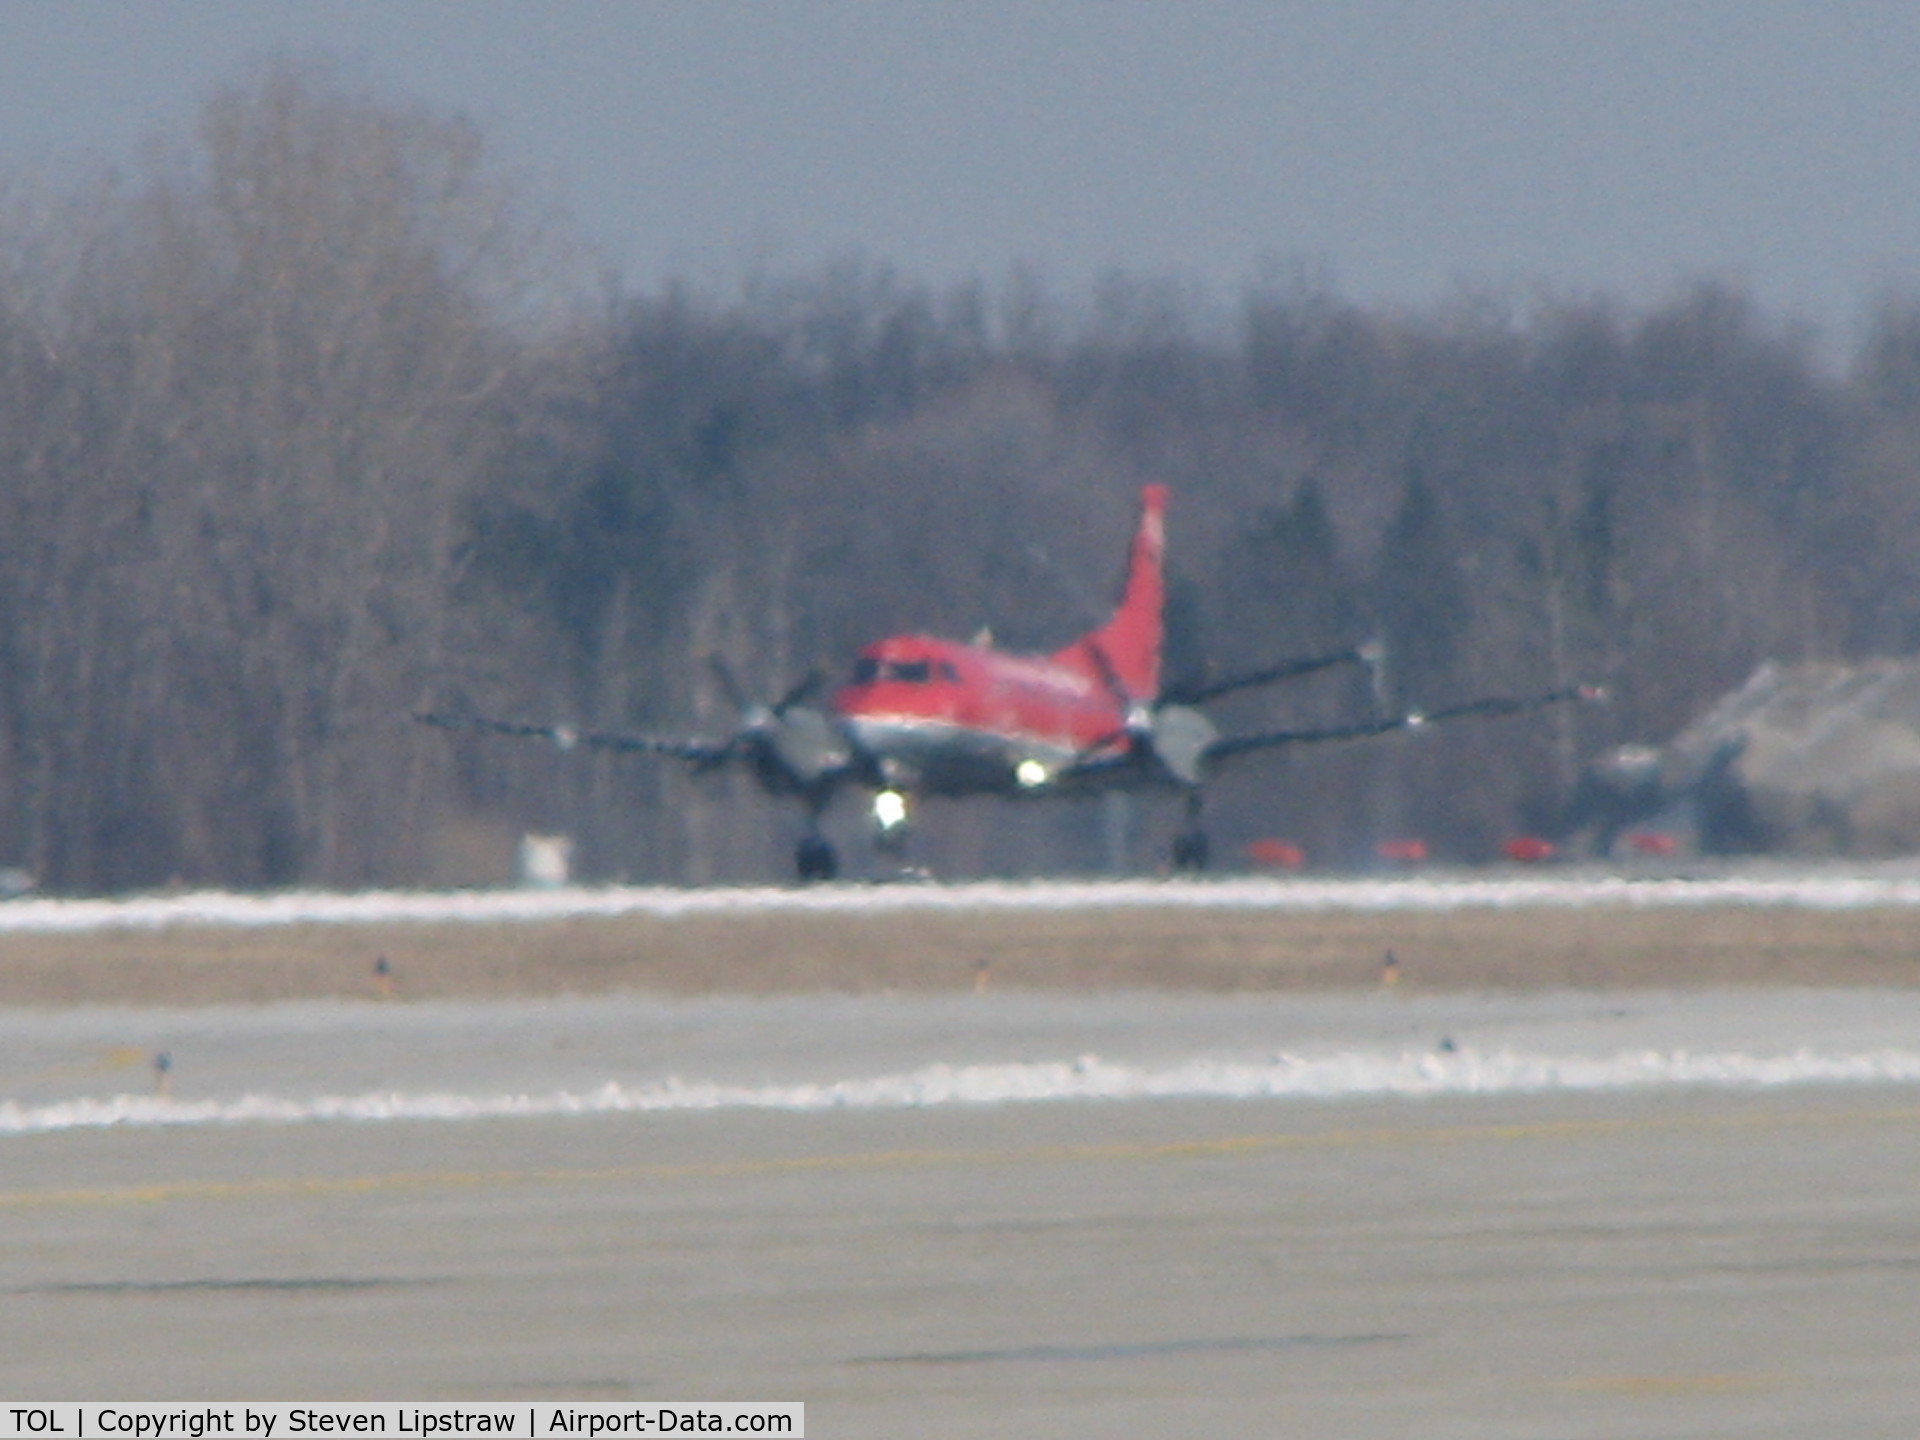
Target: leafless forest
(310, 423)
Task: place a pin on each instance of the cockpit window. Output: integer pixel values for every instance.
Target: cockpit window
(867, 670)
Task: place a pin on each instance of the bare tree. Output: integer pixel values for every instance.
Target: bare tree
(276, 372)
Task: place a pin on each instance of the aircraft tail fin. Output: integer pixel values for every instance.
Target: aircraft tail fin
(1126, 650)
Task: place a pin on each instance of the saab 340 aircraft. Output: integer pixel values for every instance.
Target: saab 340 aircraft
(923, 716)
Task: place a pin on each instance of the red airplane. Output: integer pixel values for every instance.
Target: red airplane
(923, 716)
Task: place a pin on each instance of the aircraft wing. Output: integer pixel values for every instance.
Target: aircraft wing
(1200, 691)
(566, 737)
(1491, 708)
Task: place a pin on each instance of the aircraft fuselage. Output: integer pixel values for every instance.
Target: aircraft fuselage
(942, 718)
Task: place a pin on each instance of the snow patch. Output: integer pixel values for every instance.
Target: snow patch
(1366, 894)
(1343, 1075)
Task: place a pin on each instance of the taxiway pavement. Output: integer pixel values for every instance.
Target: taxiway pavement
(1668, 1261)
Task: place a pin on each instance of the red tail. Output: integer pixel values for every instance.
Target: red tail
(1126, 650)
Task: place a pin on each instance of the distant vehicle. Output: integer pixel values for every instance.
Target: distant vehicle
(922, 716)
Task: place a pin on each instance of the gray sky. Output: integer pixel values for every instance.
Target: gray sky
(1407, 147)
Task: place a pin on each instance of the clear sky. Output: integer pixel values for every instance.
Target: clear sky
(1407, 148)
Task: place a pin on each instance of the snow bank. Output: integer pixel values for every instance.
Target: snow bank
(1821, 891)
(1342, 1075)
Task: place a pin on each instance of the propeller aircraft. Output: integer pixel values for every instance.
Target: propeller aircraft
(921, 716)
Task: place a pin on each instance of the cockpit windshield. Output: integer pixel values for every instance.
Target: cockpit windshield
(868, 670)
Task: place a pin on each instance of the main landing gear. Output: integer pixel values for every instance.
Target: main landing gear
(1191, 848)
(816, 862)
(814, 859)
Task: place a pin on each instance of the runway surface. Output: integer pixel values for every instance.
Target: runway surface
(1555, 1215)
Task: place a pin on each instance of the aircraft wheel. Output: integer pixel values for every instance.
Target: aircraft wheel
(1191, 851)
(815, 860)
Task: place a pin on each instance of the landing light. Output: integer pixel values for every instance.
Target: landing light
(889, 809)
(1031, 774)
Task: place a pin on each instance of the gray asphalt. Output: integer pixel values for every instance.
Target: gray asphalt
(1668, 1262)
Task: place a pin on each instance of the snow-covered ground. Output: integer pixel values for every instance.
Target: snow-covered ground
(1811, 888)
(365, 1062)
(560, 1060)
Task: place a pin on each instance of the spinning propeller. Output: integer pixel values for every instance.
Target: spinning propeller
(794, 745)
(1172, 730)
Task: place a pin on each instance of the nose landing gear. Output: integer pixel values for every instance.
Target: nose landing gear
(890, 822)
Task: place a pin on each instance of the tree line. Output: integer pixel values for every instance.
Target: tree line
(310, 424)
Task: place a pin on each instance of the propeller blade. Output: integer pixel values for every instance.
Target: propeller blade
(1094, 751)
(1109, 675)
(729, 686)
(753, 710)
(794, 745)
(808, 687)
(1137, 727)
